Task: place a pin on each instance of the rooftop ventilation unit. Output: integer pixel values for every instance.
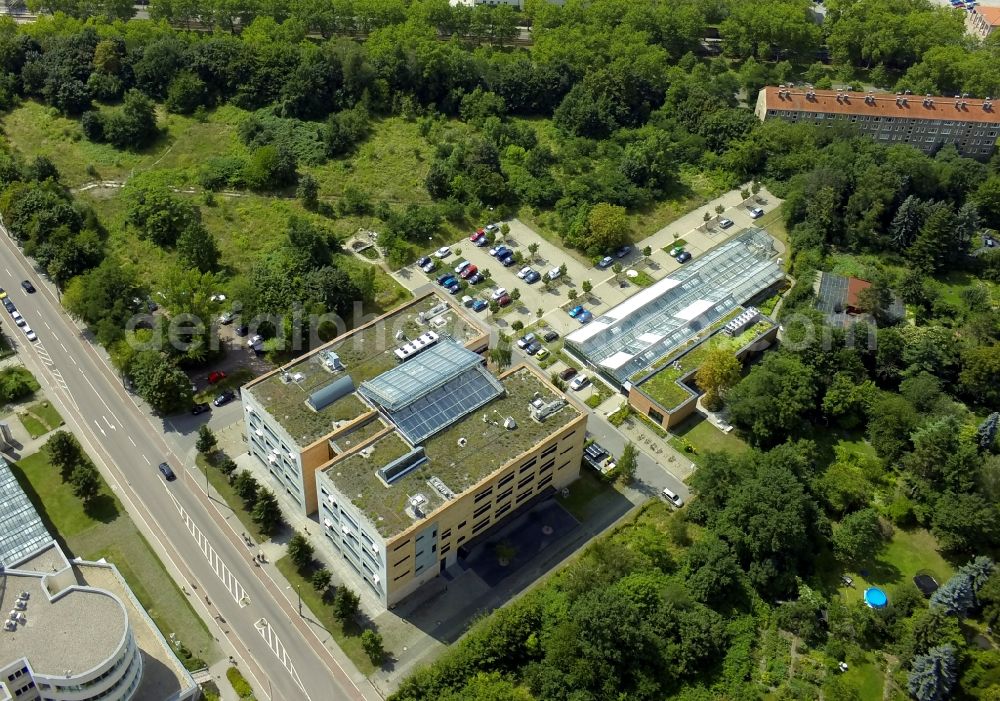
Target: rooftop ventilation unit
(546, 410)
(416, 506)
(433, 312)
(416, 346)
(441, 488)
(403, 465)
(509, 423)
(286, 377)
(331, 361)
(9, 626)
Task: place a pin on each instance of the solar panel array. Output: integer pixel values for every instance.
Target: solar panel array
(21, 529)
(412, 379)
(438, 409)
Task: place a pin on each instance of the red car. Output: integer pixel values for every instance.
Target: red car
(504, 300)
(469, 271)
(216, 376)
(476, 235)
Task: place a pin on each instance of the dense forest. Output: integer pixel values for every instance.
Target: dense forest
(607, 103)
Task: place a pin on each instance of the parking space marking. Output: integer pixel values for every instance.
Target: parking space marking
(271, 638)
(224, 574)
(43, 354)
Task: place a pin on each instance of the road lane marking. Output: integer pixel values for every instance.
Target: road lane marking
(110, 425)
(101, 429)
(132, 442)
(273, 642)
(46, 324)
(226, 575)
(143, 457)
(8, 272)
(64, 347)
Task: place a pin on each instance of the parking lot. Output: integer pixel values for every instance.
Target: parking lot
(608, 288)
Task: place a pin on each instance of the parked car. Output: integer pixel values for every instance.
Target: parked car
(28, 287)
(579, 382)
(483, 241)
(241, 330)
(533, 348)
(575, 311)
(469, 271)
(442, 252)
(504, 300)
(454, 288)
(683, 257)
(257, 338)
(532, 277)
(9, 305)
(462, 266)
(584, 316)
(508, 260)
(422, 261)
(550, 336)
(623, 251)
(167, 473)
(467, 301)
(498, 293)
(476, 278)
(18, 319)
(526, 340)
(553, 274)
(523, 271)
(725, 223)
(567, 374)
(3, 293)
(429, 266)
(216, 376)
(672, 497)
(756, 212)
(492, 228)
(476, 235)
(605, 262)
(199, 408)
(543, 354)
(479, 305)
(676, 251)
(499, 251)
(443, 277)
(224, 398)
(226, 318)
(447, 282)
(30, 334)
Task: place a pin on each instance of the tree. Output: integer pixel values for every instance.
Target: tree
(64, 452)
(647, 251)
(346, 604)
(846, 400)
(907, 222)
(320, 579)
(500, 354)
(607, 228)
(266, 512)
(956, 597)
(16, 383)
(572, 294)
(517, 325)
(133, 125)
(308, 191)
(965, 522)
(159, 382)
(515, 294)
(207, 441)
(858, 537)
(933, 675)
(187, 92)
(539, 313)
(86, 482)
(371, 642)
(197, 248)
(713, 572)
(587, 286)
(532, 249)
(772, 401)
(980, 376)
(300, 552)
(627, 463)
(719, 371)
(246, 487)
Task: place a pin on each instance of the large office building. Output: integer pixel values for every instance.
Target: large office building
(72, 630)
(926, 122)
(982, 21)
(406, 447)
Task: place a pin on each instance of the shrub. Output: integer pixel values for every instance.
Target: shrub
(16, 383)
(240, 685)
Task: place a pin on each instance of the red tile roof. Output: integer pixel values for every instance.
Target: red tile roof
(881, 104)
(854, 287)
(990, 14)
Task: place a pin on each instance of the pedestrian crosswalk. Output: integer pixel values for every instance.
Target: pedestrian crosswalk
(271, 638)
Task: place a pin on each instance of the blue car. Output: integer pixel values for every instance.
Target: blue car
(479, 305)
(575, 311)
(448, 281)
(454, 288)
(501, 252)
(508, 261)
(442, 278)
(584, 316)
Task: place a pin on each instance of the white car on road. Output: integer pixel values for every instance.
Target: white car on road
(523, 271)
(30, 334)
(442, 252)
(18, 319)
(498, 293)
(579, 382)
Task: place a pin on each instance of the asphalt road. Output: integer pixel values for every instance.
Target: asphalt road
(252, 615)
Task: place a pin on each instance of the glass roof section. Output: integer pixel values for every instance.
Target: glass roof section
(651, 323)
(21, 528)
(413, 378)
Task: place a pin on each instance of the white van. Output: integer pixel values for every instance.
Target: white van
(672, 497)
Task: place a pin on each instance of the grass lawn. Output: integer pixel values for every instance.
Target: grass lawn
(221, 484)
(347, 637)
(585, 495)
(701, 435)
(105, 530)
(33, 426)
